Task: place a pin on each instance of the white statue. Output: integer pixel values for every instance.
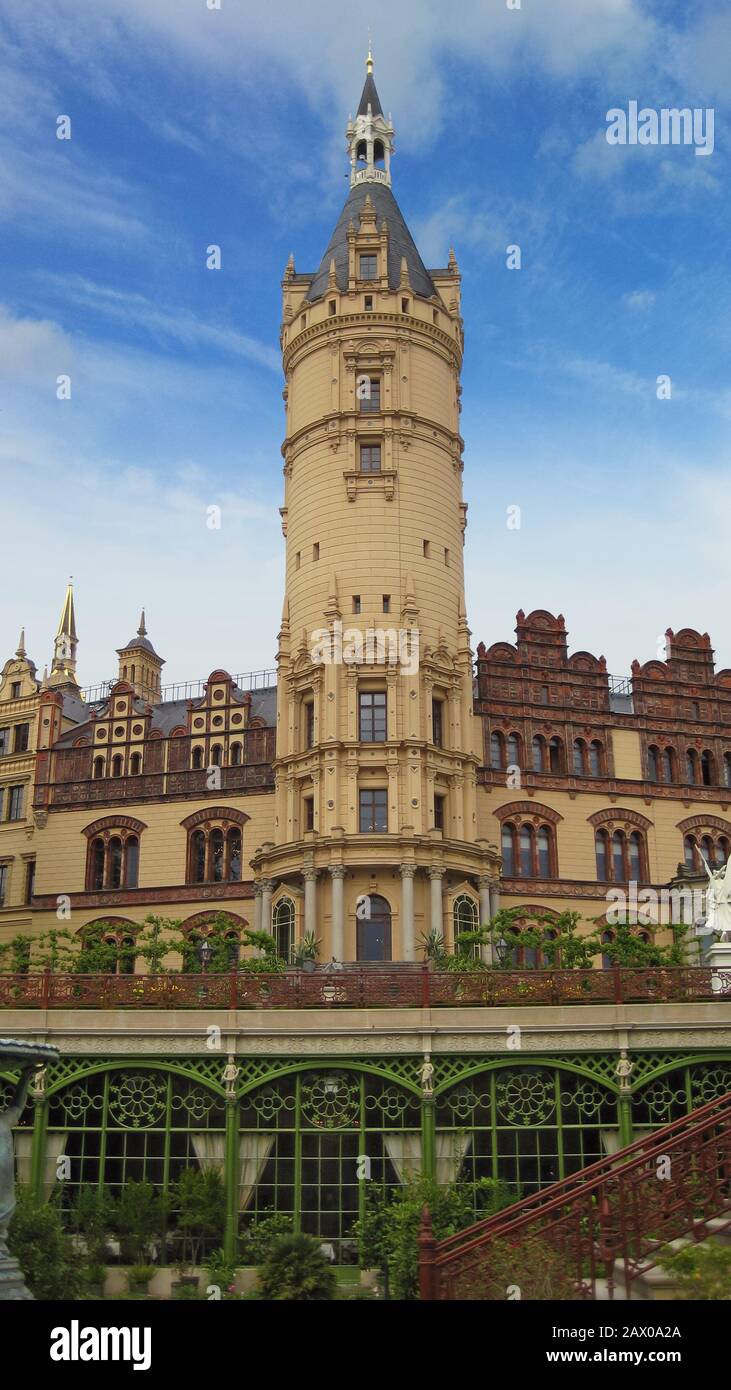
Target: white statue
(718, 900)
(229, 1076)
(427, 1077)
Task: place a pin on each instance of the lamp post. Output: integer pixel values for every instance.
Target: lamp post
(205, 951)
(503, 950)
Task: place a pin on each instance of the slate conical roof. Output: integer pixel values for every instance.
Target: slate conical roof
(370, 98)
(401, 244)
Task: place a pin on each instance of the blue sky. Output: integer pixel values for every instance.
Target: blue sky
(193, 126)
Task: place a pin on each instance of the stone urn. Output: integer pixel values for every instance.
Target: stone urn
(30, 1057)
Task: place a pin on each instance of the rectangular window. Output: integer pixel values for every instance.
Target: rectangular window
(21, 734)
(373, 811)
(309, 813)
(316, 551)
(368, 267)
(4, 741)
(387, 603)
(426, 548)
(15, 690)
(404, 306)
(372, 716)
(439, 812)
(544, 694)
(369, 395)
(368, 303)
(356, 603)
(446, 555)
(332, 308)
(298, 560)
(310, 724)
(370, 458)
(436, 723)
(3, 883)
(30, 878)
(15, 803)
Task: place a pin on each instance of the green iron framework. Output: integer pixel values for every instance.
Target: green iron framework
(307, 1137)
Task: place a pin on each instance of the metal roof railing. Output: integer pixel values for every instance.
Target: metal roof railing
(187, 690)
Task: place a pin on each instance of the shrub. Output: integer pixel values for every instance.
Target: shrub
(139, 1276)
(703, 1273)
(295, 1271)
(199, 1196)
(256, 1241)
(138, 1219)
(50, 1265)
(527, 1267)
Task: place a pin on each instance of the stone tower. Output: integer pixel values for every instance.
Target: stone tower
(377, 748)
(140, 665)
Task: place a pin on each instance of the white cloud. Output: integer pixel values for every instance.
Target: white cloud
(639, 300)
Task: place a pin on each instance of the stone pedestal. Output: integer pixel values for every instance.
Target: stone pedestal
(12, 1283)
(719, 959)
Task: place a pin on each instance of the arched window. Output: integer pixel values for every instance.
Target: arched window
(600, 847)
(216, 755)
(539, 753)
(135, 764)
(215, 846)
(727, 769)
(708, 849)
(526, 851)
(544, 852)
(131, 861)
(283, 918)
(618, 856)
(373, 934)
(607, 939)
(555, 755)
(513, 750)
(579, 749)
(595, 758)
(235, 754)
(233, 847)
(117, 764)
(708, 768)
(96, 850)
(508, 846)
(653, 758)
(722, 850)
(98, 768)
(668, 765)
(113, 855)
(197, 758)
(198, 857)
(115, 862)
(465, 917)
(690, 852)
(691, 766)
(496, 751)
(635, 856)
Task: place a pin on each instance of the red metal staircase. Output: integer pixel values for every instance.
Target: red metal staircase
(610, 1221)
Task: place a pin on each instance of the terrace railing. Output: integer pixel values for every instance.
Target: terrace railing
(365, 986)
(609, 1223)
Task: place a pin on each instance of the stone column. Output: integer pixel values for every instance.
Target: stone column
(258, 890)
(310, 877)
(408, 945)
(267, 888)
(437, 913)
(483, 883)
(337, 945)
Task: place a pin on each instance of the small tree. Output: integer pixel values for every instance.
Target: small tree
(295, 1271)
(51, 1267)
(139, 1220)
(200, 1199)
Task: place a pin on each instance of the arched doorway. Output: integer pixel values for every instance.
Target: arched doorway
(373, 931)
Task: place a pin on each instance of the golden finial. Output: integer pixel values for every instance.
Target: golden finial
(369, 59)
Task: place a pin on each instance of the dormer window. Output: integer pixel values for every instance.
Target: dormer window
(369, 267)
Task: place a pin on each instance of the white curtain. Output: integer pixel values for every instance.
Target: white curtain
(55, 1147)
(23, 1149)
(210, 1149)
(451, 1150)
(254, 1150)
(610, 1141)
(404, 1151)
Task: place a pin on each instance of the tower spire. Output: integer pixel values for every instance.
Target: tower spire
(370, 136)
(63, 665)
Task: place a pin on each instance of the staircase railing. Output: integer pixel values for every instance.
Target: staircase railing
(610, 1221)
